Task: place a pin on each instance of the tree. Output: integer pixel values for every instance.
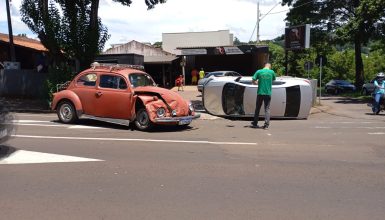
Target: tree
(341, 21)
(70, 28)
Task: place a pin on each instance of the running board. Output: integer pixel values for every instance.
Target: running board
(109, 120)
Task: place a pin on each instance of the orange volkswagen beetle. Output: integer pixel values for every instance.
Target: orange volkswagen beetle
(121, 94)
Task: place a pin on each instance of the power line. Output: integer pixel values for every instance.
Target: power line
(278, 12)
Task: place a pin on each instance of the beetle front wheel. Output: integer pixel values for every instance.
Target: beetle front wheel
(66, 112)
(143, 121)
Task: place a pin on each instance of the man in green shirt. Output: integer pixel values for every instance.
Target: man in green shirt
(264, 79)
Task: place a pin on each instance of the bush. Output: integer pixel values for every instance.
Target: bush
(56, 75)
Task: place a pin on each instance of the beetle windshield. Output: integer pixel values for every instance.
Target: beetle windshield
(140, 79)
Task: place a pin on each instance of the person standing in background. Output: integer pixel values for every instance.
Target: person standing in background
(379, 91)
(194, 76)
(179, 82)
(201, 74)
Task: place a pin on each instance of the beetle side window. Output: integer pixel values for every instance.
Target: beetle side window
(139, 79)
(87, 80)
(112, 82)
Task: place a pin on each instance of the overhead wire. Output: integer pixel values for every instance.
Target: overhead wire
(278, 12)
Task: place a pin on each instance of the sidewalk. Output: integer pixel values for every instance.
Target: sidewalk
(24, 105)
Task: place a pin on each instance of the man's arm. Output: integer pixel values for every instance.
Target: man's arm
(255, 79)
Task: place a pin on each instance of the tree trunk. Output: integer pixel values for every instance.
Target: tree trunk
(359, 63)
(93, 36)
(94, 14)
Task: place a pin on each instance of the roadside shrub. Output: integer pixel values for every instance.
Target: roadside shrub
(56, 75)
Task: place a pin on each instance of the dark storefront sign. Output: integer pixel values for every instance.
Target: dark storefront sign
(297, 37)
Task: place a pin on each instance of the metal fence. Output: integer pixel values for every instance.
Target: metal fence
(21, 83)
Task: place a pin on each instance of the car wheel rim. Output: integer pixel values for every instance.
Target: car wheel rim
(66, 112)
(143, 119)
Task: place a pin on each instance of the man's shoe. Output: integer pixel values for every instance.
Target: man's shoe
(266, 127)
(253, 125)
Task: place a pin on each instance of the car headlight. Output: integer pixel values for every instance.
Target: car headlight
(161, 112)
(191, 107)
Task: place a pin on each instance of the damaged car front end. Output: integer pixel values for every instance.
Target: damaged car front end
(164, 107)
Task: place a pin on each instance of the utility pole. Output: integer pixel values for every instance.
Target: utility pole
(258, 20)
(11, 45)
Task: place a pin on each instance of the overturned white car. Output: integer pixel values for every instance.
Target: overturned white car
(236, 97)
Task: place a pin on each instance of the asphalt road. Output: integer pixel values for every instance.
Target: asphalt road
(331, 166)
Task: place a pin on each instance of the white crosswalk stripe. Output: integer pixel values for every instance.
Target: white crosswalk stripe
(29, 157)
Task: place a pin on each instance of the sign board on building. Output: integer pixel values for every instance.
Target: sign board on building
(297, 37)
(224, 50)
(194, 51)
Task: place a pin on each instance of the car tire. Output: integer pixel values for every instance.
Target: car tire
(66, 112)
(142, 121)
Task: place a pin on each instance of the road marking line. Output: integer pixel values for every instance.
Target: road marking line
(41, 125)
(84, 127)
(377, 133)
(28, 157)
(30, 121)
(51, 124)
(349, 127)
(134, 139)
(348, 122)
(37, 115)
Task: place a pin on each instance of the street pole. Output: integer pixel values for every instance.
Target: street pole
(11, 45)
(320, 80)
(258, 20)
(183, 70)
(286, 62)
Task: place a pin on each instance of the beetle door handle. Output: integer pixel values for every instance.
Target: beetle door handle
(98, 94)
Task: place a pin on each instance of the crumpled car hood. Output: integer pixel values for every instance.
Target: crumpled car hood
(173, 99)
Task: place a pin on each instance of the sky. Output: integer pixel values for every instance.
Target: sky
(137, 23)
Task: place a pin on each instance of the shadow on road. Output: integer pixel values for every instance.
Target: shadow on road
(348, 100)
(6, 151)
(102, 124)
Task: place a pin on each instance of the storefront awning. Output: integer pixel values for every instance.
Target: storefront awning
(159, 59)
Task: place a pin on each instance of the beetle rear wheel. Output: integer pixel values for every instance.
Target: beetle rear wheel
(143, 121)
(66, 112)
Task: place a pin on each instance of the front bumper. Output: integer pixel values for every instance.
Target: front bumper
(179, 120)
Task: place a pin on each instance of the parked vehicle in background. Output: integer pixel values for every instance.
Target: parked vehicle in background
(201, 82)
(337, 86)
(121, 94)
(368, 88)
(236, 97)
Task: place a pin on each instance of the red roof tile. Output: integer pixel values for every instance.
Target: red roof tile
(24, 42)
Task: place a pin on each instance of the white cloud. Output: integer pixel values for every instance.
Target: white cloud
(137, 23)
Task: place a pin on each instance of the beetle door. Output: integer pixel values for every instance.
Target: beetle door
(85, 89)
(113, 98)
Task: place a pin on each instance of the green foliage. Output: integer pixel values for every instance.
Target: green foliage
(374, 63)
(342, 22)
(70, 29)
(158, 44)
(277, 58)
(56, 75)
(66, 29)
